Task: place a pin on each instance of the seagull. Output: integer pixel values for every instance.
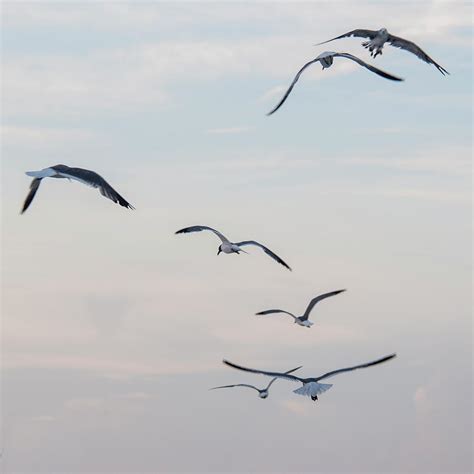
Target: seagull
(302, 320)
(262, 393)
(378, 38)
(232, 247)
(79, 174)
(311, 386)
(326, 59)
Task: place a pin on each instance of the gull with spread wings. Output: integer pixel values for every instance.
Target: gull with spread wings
(326, 59)
(78, 174)
(377, 39)
(311, 386)
(232, 247)
(262, 392)
(302, 320)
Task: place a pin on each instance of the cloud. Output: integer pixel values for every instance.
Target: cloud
(228, 130)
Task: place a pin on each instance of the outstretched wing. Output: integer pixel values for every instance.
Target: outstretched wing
(199, 228)
(236, 385)
(316, 300)
(33, 189)
(356, 33)
(265, 249)
(280, 375)
(295, 80)
(361, 366)
(96, 181)
(275, 378)
(377, 71)
(401, 43)
(273, 311)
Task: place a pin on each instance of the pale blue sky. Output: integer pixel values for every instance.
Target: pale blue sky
(113, 328)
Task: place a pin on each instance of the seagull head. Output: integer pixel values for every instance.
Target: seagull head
(219, 250)
(263, 394)
(383, 31)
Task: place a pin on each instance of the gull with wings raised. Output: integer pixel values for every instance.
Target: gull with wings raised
(78, 174)
(232, 247)
(311, 386)
(302, 320)
(326, 59)
(377, 39)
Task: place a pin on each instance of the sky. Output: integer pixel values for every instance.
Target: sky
(113, 328)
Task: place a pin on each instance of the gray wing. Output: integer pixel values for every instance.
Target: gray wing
(275, 378)
(33, 188)
(236, 385)
(96, 181)
(265, 249)
(355, 367)
(401, 43)
(356, 33)
(295, 80)
(377, 71)
(272, 311)
(279, 375)
(316, 300)
(199, 228)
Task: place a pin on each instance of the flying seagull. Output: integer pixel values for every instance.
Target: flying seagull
(326, 59)
(311, 386)
(262, 393)
(79, 174)
(378, 38)
(302, 320)
(232, 247)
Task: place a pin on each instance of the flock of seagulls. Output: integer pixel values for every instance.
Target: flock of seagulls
(311, 386)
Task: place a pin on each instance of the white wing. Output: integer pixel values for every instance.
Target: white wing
(265, 249)
(273, 311)
(199, 228)
(401, 43)
(377, 71)
(316, 300)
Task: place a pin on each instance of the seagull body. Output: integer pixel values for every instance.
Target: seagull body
(311, 386)
(228, 247)
(302, 320)
(377, 40)
(326, 59)
(262, 392)
(79, 174)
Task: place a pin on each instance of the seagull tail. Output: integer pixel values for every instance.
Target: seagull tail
(312, 389)
(44, 173)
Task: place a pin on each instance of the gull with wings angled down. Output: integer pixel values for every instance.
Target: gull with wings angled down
(377, 39)
(302, 320)
(326, 59)
(78, 174)
(311, 386)
(232, 247)
(262, 392)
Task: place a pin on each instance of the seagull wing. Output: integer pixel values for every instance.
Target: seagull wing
(295, 80)
(236, 385)
(356, 33)
(316, 300)
(96, 181)
(361, 366)
(377, 71)
(199, 228)
(273, 311)
(31, 195)
(279, 375)
(265, 249)
(275, 378)
(416, 50)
